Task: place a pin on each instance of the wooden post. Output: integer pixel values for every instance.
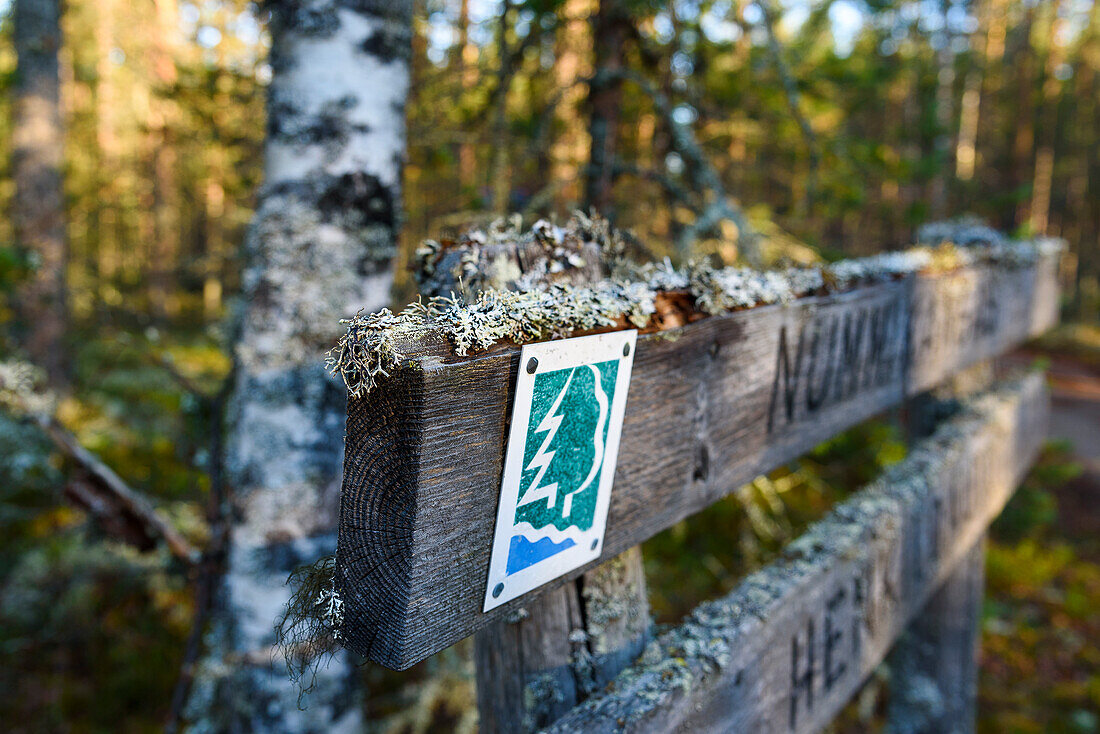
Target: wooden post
(615, 605)
(525, 664)
(565, 645)
(934, 667)
(550, 654)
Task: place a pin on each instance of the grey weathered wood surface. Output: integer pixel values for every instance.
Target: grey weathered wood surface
(561, 647)
(525, 667)
(786, 649)
(711, 405)
(934, 667)
(617, 622)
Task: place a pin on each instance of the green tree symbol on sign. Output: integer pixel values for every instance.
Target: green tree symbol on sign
(564, 448)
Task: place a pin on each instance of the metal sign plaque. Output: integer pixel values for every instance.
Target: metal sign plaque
(560, 462)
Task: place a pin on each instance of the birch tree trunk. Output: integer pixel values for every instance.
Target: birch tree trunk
(37, 149)
(320, 246)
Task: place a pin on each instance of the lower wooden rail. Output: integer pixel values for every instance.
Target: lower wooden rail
(789, 646)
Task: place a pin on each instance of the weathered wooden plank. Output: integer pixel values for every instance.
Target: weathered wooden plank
(934, 667)
(788, 647)
(711, 405)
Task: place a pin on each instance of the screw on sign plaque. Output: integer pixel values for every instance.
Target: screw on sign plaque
(560, 462)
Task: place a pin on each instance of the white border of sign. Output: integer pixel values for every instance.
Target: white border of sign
(556, 355)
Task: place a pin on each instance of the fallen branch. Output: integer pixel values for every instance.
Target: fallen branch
(109, 499)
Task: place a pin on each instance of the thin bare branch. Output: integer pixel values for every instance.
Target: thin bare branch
(700, 171)
(185, 382)
(794, 102)
(208, 571)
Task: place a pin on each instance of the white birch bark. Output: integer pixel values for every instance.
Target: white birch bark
(320, 247)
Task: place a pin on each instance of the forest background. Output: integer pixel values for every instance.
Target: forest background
(833, 128)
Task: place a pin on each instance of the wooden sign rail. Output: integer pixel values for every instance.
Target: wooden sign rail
(711, 405)
(787, 648)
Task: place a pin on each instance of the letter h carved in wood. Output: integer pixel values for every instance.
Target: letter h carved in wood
(802, 677)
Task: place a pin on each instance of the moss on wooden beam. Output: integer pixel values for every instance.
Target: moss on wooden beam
(650, 297)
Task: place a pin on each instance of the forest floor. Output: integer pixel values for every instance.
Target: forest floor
(1041, 642)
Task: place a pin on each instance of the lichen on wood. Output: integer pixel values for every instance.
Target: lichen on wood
(309, 631)
(493, 305)
(372, 345)
(504, 257)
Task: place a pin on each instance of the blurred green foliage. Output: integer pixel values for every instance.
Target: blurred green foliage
(91, 631)
(1041, 657)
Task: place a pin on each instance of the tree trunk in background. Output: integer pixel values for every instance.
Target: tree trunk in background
(163, 114)
(320, 246)
(109, 259)
(610, 33)
(38, 208)
(467, 69)
(1046, 130)
(1025, 115)
(992, 18)
(1085, 184)
(574, 63)
(499, 170)
(945, 113)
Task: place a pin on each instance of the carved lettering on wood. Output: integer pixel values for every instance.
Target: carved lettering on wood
(831, 637)
(836, 354)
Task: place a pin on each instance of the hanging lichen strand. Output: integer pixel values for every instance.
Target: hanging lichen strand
(490, 308)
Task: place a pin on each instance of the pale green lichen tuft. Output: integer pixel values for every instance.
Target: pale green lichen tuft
(535, 308)
(727, 289)
(371, 347)
(309, 632)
